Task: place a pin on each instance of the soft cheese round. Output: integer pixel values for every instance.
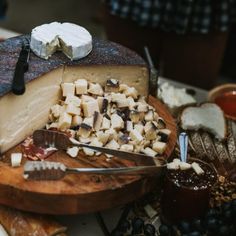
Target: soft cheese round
(74, 40)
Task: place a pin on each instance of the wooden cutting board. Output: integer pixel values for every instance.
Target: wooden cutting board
(78, 193)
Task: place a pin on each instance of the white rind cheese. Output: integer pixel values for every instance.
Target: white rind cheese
(74, 40)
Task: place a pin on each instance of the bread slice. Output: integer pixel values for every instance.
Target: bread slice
(208, 117)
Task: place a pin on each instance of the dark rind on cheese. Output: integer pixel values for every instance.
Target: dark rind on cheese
(104, 105)
(124, 138)
(103, 53)
(111, 84)
(95, 118)
(85, 126)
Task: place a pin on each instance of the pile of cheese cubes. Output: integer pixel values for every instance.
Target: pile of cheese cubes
(113, 116)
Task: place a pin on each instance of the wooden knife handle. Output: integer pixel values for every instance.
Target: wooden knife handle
(18, 84)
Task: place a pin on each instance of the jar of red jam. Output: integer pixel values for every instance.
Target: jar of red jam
(186, 194)
(225, 97)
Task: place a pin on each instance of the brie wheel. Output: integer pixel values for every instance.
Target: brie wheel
(74, 40)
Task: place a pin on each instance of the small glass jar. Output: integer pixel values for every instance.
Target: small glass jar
(185, 194)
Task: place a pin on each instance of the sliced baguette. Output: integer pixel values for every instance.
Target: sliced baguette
(208, 117)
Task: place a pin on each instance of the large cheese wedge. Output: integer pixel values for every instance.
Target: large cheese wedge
(21, 115)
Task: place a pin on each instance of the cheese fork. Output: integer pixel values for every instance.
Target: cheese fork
(49, 138)
(47, 170)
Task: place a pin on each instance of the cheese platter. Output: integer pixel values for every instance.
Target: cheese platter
(49, 102)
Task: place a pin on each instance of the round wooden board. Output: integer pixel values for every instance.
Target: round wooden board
(78, 193)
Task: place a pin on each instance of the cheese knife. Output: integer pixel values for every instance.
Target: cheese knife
(18, 84)
(153, 74)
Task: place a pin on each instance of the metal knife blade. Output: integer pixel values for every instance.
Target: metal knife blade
(153, 78)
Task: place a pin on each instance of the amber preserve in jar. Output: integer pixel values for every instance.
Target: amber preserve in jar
(186, 194)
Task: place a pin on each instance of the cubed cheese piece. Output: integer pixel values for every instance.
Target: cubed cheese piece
(173, 165)
(123, 87)
(131, 102)
(68, 89)
(176, 160)
(102, 137)
(106, 124)
(138, 148)
(56, 110)
(95, 142)
(88, 151)
(81, 86)
(145, 143)
(166, 131)
(139, 127)
(134, 116)
(112, 134)
(115, 97)
(159, 147)
(142, 99)
(184, 165)
(150, 131)
(155, 116)
(88, 121)
(76, 120)
(97, 121)
(73, 152)
(95, 89)
(108, 97)
(16, 159)
(149, 116)
(64, 121)
(71, 99)
(142, 107)
(84, 130)
(136, 136)
(72, 109)
(113, 145)
(197, 168)
(85, 140)
(117, 122)
(129, 125)
(52, 125)
(131, 92)
(127, 147)
(112, 85)
(102, 104)
(149, 152)
(90, 107)
(113, 108)
(86, 98)
(122, 103)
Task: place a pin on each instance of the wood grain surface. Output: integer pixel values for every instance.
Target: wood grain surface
(78, 193)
